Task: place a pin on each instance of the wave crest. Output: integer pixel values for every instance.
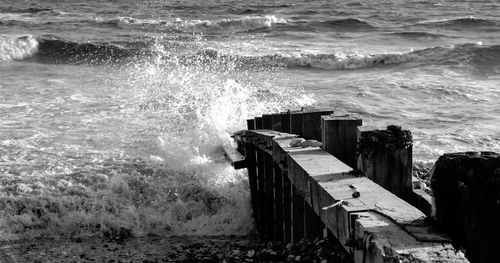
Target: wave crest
(450, 55)
(340, 61)
(51, 49)
(235, 25)
(248, 23)
(17, 48)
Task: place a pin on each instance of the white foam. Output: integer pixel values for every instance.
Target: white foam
(341, 60)
(337, 60)
(228, 25)
(17, 48)
(231, 25)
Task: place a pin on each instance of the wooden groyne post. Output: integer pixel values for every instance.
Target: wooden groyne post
(385, 156)
(305, 192)
(466, 189)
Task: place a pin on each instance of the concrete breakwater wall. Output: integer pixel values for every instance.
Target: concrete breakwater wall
(315, 173)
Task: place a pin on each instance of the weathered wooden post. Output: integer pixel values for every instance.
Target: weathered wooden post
(313, 224)
(311, 124)
(287, 200)
(285, 121)
(258, 123)
(283, 188)
(297, 215)
(296, 122)
(340, 136)
(386, 158)
(466, 188)
(278, 205)
(269, 197)
(267, 121)
(251, 124)
(276, 193)
(261, 191)
(276, 120)
(251, 161)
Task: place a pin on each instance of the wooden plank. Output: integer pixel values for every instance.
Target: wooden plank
(311, 124)
(281, 146)
(267, 121)
(340, 136)
(234, 157)
(287, 200)
(258, 123)
(297, 215)
(378, 239)
(266, 135)
(269, 198)
(316, 163)
(285, 121)
(251, 124)
(250, 156)
(375, 198)
(296, 123)
(261, 220)
(276, 122)
(313, 224)
(278, 204)
(325, 167)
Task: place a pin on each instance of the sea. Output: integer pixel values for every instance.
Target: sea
(113, 112)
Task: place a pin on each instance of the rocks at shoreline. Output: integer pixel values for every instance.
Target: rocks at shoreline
(422, 171)
(228, 249)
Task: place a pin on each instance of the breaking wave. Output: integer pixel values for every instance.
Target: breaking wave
(52, 49)
(245, 24)
(221, 26)
(17, 48)
(448, 55)
(231, 25)
(455, 54)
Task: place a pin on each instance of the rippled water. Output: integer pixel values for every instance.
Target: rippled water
(112, 114)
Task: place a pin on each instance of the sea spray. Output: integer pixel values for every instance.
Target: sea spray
(220, 26)
(17, 47)
(163, 173)
(197, 106)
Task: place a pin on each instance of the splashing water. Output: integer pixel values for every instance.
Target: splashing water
(165, 172)
(201, 101)
(17, 48)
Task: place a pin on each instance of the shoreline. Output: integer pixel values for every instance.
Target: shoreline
(169, 249)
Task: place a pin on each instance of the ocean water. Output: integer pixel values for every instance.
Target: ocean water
(112, 113)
